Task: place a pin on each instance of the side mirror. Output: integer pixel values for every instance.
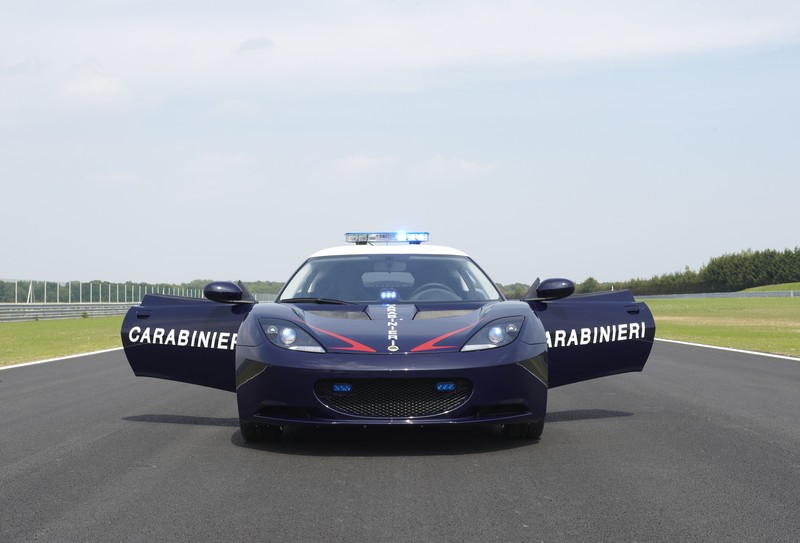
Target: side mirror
(224, 292)
(554, 289)
(550, 289)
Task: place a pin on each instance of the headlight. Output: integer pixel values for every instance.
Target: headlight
(288, 335)
(495, 334)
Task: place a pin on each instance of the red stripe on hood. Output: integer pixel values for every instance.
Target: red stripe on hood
(431, 345)
(354, 345)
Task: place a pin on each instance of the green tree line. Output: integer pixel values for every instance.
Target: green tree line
(726, 273)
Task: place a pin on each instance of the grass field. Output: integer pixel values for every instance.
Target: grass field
(38, 340)
(770, 325)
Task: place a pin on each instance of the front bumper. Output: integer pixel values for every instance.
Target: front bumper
(505, 385)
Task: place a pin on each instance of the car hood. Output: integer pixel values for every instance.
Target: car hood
(395, 328)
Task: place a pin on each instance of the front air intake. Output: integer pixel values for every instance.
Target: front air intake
(393, 398)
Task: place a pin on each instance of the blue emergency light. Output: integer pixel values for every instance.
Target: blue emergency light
(363, 238)
(388, 295)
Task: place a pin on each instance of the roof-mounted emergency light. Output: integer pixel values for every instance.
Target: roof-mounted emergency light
(363, 238)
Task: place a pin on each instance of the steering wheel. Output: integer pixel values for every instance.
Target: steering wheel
(434, 292)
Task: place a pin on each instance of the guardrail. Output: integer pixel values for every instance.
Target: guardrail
(765, 294)
(32, 312)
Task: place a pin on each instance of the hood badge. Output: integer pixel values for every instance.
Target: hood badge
(391, 322)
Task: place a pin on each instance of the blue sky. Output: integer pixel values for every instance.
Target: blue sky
(168, 141)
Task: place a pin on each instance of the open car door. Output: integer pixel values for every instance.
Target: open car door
(594, 335)
(184, 339)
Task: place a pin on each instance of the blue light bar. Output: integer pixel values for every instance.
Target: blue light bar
(362, 238)
(342, 387)
(447, 386)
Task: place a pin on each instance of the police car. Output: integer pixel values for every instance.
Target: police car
(389, 330)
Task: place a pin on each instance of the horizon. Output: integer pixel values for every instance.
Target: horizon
(185, 284)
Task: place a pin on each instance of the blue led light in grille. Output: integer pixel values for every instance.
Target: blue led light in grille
(446, 387)
(342, 387)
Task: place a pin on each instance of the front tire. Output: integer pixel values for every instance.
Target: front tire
(528, 430)
(259, 433)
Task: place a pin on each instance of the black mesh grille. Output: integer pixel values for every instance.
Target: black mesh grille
(393, 398)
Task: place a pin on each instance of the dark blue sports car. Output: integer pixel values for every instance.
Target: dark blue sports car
(389, 331)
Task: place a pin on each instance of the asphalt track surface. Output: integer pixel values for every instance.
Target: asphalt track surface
(704, 445)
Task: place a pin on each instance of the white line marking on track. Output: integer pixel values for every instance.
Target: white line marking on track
(729, 349)
(57, 359)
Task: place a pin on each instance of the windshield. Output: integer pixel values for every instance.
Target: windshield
(390, 278)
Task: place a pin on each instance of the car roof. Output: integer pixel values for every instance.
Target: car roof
(390, 249)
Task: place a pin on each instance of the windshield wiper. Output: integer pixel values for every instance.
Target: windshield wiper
(314, 301)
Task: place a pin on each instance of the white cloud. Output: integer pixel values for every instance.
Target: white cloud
(96, 89)
(254, 44)
(214, 163)
(22, 67)
(205, 189)
(383, 45)
(115, 179)
(360, 165)
(209, 176)
(440, 167)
